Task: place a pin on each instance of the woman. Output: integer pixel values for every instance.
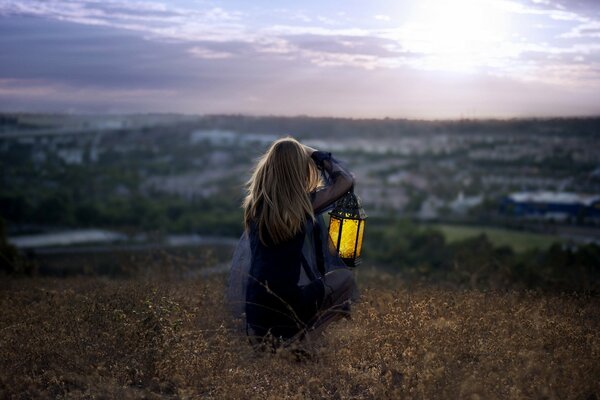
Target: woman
(295, 283)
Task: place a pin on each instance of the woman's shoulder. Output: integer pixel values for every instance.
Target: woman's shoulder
(269, 244)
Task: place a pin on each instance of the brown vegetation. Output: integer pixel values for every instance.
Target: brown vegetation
(96, 338)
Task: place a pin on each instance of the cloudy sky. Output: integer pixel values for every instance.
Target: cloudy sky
(415, 59)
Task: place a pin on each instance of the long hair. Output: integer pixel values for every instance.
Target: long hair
(278, 191)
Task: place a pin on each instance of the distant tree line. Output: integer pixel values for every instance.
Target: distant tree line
(218, 215)
(424, 254)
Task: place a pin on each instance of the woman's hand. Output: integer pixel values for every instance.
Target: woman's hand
(309, 150)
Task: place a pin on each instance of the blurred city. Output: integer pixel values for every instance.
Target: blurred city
(170, 180)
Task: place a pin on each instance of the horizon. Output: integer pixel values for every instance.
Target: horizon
(291, 116)
(419, 60)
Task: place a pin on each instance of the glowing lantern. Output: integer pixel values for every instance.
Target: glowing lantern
(346, 228)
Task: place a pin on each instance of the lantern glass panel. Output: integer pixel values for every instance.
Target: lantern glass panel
(334, 230)
(348, 238)
(361, 230)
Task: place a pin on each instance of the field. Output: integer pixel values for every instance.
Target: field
(164, 337)
(519, 241)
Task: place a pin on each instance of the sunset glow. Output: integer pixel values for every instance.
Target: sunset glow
(461, 35)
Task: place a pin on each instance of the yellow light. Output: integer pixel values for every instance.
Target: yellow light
(350, 237)
(334, 230)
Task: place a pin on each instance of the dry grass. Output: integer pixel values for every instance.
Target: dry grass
(93, 338)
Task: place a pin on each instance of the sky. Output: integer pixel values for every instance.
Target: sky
(362, 59)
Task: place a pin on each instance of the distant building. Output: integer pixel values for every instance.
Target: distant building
(215, 136)
(430, 208)
(108, 124)
(552, 205)
(71, 156)
(462, 204)
(227, 138)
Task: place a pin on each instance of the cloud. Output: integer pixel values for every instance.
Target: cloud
(381, 17)
(363, 45)
(89, 56)
(155, 20)
(214, 59)
(589, 29)
(317, 38)
(202, 52)
(356, 51)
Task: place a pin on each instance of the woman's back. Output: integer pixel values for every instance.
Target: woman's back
(274, 301)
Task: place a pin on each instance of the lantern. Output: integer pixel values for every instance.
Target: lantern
(346, 228)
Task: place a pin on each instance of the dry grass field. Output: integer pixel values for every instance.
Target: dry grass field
(170, 338)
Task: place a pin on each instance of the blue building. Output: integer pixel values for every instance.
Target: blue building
(552, 205)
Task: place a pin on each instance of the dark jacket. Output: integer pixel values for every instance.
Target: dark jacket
(275, 302)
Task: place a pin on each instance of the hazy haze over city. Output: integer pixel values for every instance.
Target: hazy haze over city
(416, 59)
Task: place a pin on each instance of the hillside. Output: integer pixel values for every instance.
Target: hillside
(168, 338)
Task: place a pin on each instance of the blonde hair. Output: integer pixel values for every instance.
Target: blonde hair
(278, 191)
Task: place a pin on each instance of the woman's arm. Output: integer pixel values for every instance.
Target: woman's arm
(341, 181)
